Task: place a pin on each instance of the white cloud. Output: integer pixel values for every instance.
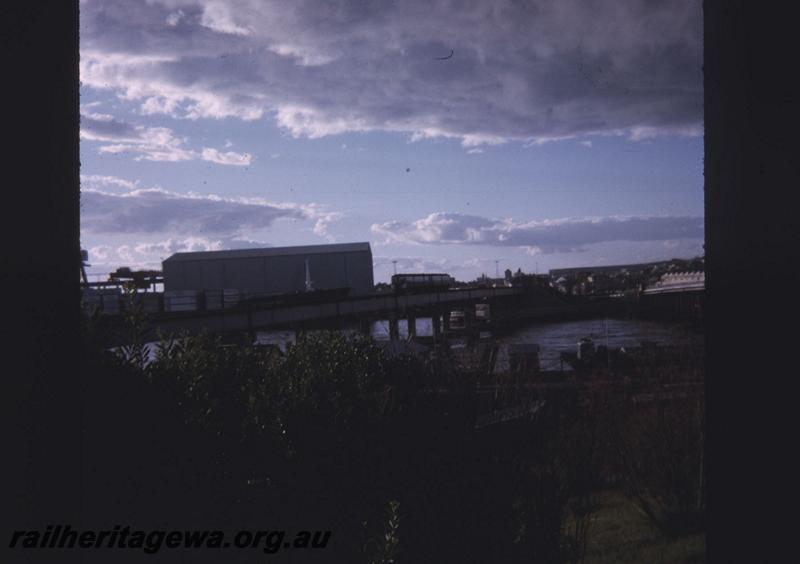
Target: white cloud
(643, 133)
(323, 221)
(303, 56)
(126, 254)
(153, 144)
(172, 246)
(155, 211)
(535, 237)
(228, 158)
(104, 181)
(311, 123)
(100, 252)
(174, 18)
(149, 143)
(143, 78)
(219, 17)
(150, 254)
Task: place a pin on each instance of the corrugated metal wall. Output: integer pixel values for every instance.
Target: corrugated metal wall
(273, 274)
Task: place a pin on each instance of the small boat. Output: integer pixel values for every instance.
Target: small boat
(583, 357)
(586, 349)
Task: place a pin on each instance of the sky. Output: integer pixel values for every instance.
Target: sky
(462, 137)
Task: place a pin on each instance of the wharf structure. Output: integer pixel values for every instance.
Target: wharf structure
(312, 287)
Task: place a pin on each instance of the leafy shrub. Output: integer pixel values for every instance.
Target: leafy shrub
(661, 450)
(385, 546)
(336, 426)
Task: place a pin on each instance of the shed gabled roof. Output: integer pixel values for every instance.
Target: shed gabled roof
(270, 252)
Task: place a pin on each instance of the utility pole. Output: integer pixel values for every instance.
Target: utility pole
(309, 284)
(84, 264)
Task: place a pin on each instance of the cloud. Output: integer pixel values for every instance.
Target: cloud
(156, 211)
(150, 254)
(383, 267)
(149, 143)
(96, 181)
(548, 236)
(227, 158)
(217, 17)
(520, 71)
(323, 220)
(172, 246)
(100, 252)
(103, 127)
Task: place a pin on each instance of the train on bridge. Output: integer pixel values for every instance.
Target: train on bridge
(410, 283)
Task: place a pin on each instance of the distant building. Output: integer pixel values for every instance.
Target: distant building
(677, 294)
(520, 279)
(679, 281)
(490, 282)
(611, 270)
(615, 280)
(273, 270)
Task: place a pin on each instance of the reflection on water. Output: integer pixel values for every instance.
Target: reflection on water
(555, 338)
(278, 338)
(380, 329)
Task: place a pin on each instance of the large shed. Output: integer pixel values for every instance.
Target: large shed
(272, 270)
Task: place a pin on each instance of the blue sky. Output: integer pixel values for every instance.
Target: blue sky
(558, 133)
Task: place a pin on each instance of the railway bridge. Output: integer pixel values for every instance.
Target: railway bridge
(505, 306)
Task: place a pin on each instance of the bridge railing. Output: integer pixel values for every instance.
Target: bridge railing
(193, 301)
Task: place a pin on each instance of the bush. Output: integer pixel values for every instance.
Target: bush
(660, 451)
(322, 436)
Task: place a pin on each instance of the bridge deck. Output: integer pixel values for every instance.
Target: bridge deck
(267, 316)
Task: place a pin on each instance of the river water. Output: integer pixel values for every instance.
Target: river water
(554, 338)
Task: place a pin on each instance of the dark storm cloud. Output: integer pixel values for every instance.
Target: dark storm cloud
(530, 71)
(105, 127)
(559, 235)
